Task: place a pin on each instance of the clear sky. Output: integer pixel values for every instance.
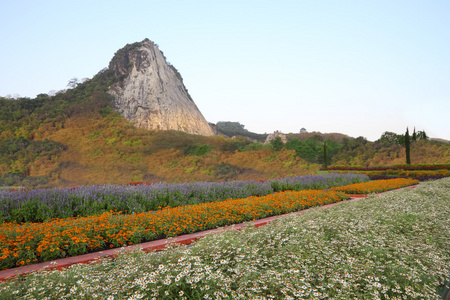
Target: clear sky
(354, 67)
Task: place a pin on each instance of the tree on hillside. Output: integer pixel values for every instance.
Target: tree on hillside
(414, 135)
(277, 144)
(237, 129)
(236, 126)
(390, 138)
(408, 147)
(325, 162)
(360, 140)
(421, 135)
(73, 83)
(316, 138)
(305, 149)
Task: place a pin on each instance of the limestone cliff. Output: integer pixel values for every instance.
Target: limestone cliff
(274, 135)
(150, 92)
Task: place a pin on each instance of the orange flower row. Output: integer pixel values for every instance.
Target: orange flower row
(28, 243)
(376, 186)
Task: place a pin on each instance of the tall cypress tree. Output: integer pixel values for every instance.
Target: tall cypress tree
(408, 147)
(325, 163)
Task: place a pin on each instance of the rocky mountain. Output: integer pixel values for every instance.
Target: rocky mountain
(151, 92)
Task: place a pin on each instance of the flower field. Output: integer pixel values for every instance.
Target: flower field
(388, 246)
(45, 204)
(29, 243)
(377, 186)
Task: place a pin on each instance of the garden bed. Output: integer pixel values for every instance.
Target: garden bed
(393, 245)
(29, 243)
(45, 204)
(376, 186)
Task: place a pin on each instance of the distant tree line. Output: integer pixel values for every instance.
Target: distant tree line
(320, 151)
(391, 138)
(237, 129)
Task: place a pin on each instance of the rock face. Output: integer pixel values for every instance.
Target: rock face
(275, 135)
(151, 92)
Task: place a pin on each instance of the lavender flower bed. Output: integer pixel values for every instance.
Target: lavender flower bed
(316, 182)
(44, 204)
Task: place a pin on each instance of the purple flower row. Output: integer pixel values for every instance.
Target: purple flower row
(44, 204)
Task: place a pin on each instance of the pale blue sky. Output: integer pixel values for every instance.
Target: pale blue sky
(355, 67)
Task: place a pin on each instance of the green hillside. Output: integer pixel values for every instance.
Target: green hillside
(76, 138)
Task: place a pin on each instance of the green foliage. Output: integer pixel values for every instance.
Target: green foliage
(23, 117)
(311, 149)
(16, 155)
(408, 147)
(132, 143)
(277, 144)
(236, 144)
(12, 180)
(237, 129)
(185, 142)
(305, 149)
(230, 126)
(421, 135)
(122, 58)
(315, 150)
(325, 159)
(350, 144)
(316, 138)
(197, 150)
(255, 146)
(391, 138)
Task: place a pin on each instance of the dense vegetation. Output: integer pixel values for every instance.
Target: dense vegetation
(17, 154)
(102, 147)
(231, 129)
(74, 137)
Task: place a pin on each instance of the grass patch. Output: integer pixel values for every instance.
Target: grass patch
(320, 172)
